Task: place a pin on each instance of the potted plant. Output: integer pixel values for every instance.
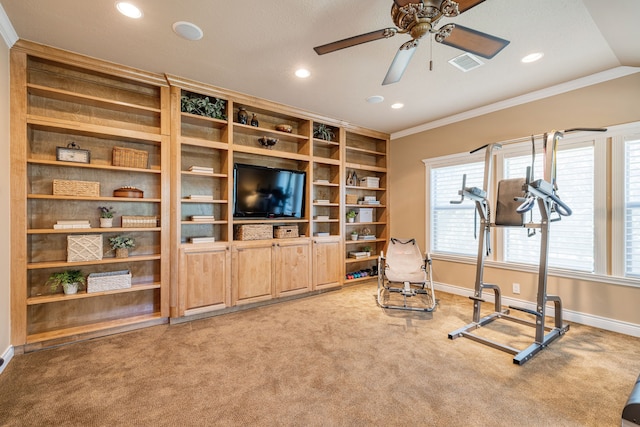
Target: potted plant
(351, 215)
(322, 131)
(203, 106)
(121, 245)
(106, 216)
(70, 280)
(354, 235)
(367, 249)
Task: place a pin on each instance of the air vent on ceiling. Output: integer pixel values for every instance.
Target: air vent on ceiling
(466, 62)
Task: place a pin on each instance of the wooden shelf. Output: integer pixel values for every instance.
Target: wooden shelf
(65, 264)
(91, 230)
(67, 96)
(93, 130)
(362, 150)
(204, 174)
(360, 242)
(92, 166)
(205, 143)
(270, 153)
(365, 206)
(196, 119)
(354, 260)
(122, 323)
(361, 166)
(260, 131)
(326, 161)
(46, 299)
(325, 142)
(188, 222)
(91, 199)
(212, 201)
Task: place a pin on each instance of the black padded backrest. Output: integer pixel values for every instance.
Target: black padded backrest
(631, 411)
(506, 214)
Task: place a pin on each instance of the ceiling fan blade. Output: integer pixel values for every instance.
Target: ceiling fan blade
(464, 5)
(475, 42)
(356, 40)
(400, 62)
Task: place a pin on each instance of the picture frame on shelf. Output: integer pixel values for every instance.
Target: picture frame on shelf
(73, 153)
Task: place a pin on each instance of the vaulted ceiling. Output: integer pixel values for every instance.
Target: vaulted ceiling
(254, 47)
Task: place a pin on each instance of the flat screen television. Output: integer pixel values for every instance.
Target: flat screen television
(263, 192)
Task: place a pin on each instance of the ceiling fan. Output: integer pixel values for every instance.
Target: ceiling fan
(419, 18)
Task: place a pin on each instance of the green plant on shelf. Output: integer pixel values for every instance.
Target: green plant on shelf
(203, 106)
(121, 242)
(351, 214)
(65, 279)
(106, 212)
(322, 131)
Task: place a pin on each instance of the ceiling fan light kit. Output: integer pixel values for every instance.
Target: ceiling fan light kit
(419, 18)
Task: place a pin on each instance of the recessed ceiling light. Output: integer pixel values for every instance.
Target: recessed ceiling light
(375, 99)
(532, 57)
(397, 105)
(127, 9)
(303, 73)
(187, 30)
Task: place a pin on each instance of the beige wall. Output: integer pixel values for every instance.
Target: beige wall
(5, 214)
(605, 104)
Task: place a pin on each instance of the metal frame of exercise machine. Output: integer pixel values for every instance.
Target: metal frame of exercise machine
(543, 193)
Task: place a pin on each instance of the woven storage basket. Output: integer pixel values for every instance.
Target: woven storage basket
(130, 158)
(62, 187)
(139, 221)
(108, 281)
(283, 232)
(254, 232)
(351, 199)
(85, 247)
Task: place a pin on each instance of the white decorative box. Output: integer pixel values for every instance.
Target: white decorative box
(370, 181)
(84, 247)
(365, 215)
(108, 281)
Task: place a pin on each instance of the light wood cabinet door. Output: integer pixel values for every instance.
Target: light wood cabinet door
(293, 266)
(204, 278)
(252, 277)
(327, 263)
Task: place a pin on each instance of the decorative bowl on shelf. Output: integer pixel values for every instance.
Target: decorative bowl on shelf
(284, 128)
(267, 142)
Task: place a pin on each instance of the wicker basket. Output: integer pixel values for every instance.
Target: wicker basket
(254, 232)
(139, 221)
(351, 199)
(108, 281)
(284, 232)
(63, 187)
(85, 247)
(130, 158)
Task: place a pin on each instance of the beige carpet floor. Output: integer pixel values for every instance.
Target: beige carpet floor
(334, 359)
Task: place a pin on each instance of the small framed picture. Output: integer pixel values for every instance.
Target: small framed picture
(73, 153)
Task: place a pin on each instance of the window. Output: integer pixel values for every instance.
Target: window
(632, 206)
(572, 239)
(451, 226)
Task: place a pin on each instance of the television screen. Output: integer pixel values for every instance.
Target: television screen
(262, 192)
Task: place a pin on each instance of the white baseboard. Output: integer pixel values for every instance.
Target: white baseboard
(7, 356)
(569, 315)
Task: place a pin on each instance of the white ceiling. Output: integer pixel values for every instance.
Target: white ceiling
(254, 46)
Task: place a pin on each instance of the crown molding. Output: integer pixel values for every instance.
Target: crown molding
(7, 31)
(593, 79)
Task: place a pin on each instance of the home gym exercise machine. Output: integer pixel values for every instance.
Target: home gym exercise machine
(515, 197)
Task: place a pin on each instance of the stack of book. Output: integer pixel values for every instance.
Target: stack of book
(358, 255)
(200, 197)
(322, 217)
(71, 223)
(201, 169)
(205, 218)
(202, 239)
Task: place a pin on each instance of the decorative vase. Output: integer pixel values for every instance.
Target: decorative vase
(243, 116)
(106, 222)
(70, 288)
(351, 219)
(122, 253)
(254, 120)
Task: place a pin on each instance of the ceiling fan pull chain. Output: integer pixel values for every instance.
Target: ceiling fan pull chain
(430, 53)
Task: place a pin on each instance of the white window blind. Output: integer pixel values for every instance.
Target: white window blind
(452, 225)
(632, 207)
(572, 242)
